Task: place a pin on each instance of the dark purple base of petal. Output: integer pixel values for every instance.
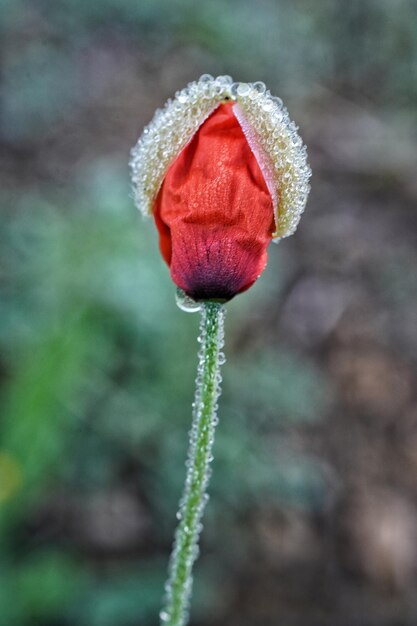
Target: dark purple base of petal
(214, 264)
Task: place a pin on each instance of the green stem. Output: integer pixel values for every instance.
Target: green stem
(185, 551)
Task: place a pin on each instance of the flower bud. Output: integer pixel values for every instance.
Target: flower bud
(224, 171)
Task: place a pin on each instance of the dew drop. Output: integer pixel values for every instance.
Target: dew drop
(233, 90)
(267, 105)
(243, 89)
(185, 303)
(206, 78)
(277, 101)
(260, 87)
(226, 79)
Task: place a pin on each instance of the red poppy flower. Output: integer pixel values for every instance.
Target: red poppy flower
(224, 172)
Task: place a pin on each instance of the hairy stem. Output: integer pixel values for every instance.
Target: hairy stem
(185, 551)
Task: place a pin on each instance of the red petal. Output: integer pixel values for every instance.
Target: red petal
(214, 212)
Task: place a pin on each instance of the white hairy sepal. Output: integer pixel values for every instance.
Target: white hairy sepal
(272, 136)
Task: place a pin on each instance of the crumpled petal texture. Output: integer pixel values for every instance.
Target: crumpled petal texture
(214, 212)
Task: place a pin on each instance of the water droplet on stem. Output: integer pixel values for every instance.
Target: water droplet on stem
(185, 303)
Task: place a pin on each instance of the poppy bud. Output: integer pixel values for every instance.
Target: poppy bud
(224, 172)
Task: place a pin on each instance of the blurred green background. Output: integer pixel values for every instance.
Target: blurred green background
(313, 513)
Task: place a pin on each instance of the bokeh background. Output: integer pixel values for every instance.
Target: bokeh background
(313, 513)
